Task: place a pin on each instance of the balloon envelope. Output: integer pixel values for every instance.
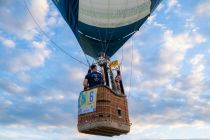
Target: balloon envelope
(104, 25)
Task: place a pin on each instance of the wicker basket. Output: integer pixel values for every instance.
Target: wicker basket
(111, 115)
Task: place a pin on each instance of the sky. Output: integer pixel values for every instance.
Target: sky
(169, 92)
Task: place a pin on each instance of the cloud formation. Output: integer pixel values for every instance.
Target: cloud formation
(23, 25)
(25, 61)
(39, 86)
(7, 42)
(203, 8)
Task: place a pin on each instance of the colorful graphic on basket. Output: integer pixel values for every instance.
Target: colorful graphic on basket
(87, 101)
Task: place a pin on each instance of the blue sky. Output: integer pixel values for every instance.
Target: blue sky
(39, 85)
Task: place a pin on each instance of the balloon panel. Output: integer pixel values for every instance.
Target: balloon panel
(112, 13)
(104, 25)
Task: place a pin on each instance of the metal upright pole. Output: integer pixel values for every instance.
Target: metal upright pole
(106, 73)
(102, 62)
(113, 85)
(121, 84)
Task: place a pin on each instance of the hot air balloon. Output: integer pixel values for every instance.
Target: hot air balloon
(101, 27)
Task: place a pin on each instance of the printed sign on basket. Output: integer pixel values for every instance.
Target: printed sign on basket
(87, 101)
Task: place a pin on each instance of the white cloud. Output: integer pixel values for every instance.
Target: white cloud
(157, 89)
(199, 38)
(174, 49)
(23, 76)
(150, 84)
(39, 10)
(51, 21)
(57, 97)
(168, 64)
(190, 24)
(127, 54)
(14, 134)
(173, 52)
(203, 8)
(54, 13)
(162, 26)
(7, 42)
(197, 59)
(197, 124)
(160, 7)
(75, 73)
(126, 59)
(28, 60)
(139, 127)
(151, 19)
(172, 3)
(11, 87)
(16, 20)
(194, 82)
(6, 103)
(38, 45)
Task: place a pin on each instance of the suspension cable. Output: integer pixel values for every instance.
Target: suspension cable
(84, 52)
(131, 71)
(87, 60)
(45, 34)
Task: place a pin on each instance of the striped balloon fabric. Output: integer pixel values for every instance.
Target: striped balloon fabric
(104, 25)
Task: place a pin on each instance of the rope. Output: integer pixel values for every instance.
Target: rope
(131, 71)
(87, 60)
(84, 52)
(45, 34)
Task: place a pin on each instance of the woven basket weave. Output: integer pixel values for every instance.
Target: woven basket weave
(111, 115)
